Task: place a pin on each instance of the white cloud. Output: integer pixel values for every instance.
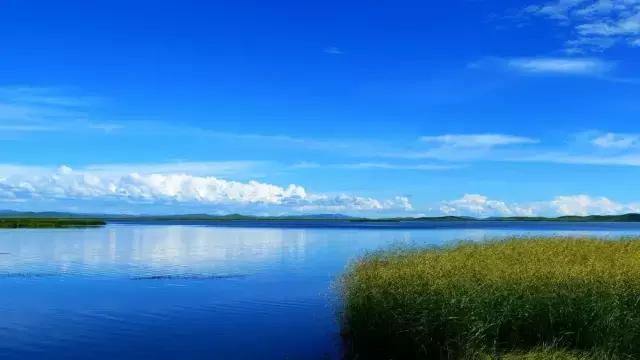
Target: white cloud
(482, 206)
(199, 168)
(305, 165)
(632, 159)
(175, 191)
(45, 96)
(333, 50)
(589, 148)
(36, 109)
(388, 166)
(572, 66)
(106, 127)
(477, 140)
(26, 128)
(616, 141)
(586, 148)
(582, 66)
(347, 203)
(595, 24)
(559, 9)
(461, 147)
(376, 166)
(351, 145)
(64, 183)
(587, 205)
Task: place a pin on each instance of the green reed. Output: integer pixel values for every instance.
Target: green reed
(485, 300)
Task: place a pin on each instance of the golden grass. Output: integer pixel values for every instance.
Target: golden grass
(515, 294)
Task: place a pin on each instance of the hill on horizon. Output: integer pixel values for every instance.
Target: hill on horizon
(630, 217)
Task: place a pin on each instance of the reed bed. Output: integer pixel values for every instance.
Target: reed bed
(501, 299)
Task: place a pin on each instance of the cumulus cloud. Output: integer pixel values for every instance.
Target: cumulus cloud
(586, 205)
(347, 203)
(66, 183)
(595, 24)
(20, 184)
(482, 206)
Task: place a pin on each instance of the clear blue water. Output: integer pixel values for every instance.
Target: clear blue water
(134, 291)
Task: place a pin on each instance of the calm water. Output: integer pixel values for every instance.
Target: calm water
(197, 292)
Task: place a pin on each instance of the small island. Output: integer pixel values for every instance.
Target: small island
(48, 223)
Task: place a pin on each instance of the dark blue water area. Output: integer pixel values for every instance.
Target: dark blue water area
(134, 291)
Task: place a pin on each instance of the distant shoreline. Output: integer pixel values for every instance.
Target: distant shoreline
(80, 221)
(48, 223)
(8, 215)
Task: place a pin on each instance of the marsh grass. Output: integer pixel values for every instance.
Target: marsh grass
(485, 300)
(547, 354)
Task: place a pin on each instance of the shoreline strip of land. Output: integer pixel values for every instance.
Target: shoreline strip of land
(48, 223)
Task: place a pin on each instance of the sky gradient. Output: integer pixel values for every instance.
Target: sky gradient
(402, 108)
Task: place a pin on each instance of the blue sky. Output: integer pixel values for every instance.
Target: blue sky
(394, 108)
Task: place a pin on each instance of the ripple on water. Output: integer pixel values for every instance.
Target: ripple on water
(189, 277)
(27, 275)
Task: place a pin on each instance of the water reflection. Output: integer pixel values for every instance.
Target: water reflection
(134, 249)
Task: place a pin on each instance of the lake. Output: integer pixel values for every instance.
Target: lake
(241, 291)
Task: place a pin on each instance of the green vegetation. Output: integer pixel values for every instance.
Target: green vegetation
(546, 354)
(511, 296)
(14, 223)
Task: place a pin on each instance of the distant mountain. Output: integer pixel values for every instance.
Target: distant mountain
(43, 214)
(177, 217)
(231, 217)
(447, 218)
(590, 218)
(606, 218)
(423, 218)
(633, 217)
(327, 216)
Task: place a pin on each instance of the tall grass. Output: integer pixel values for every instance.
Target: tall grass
(513, 295)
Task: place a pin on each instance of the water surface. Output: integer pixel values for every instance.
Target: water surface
(249, 291)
